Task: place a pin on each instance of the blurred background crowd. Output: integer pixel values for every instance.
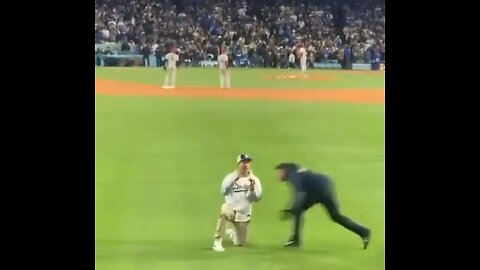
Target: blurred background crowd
(256, 33)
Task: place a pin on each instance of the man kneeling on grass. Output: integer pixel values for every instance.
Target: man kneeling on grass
(240, 188)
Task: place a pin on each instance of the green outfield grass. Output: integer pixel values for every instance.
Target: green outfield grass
(159, 164)
(248, 78)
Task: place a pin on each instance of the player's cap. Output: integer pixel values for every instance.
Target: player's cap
(243, 157)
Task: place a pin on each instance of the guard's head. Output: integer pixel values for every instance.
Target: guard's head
(244, 163)
(284, 169)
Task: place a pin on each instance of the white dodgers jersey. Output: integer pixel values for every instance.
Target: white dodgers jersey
(172, 60)
(223, 61)
(239, 194)
(303, 53)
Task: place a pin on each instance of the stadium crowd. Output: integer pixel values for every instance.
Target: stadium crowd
(260, 32)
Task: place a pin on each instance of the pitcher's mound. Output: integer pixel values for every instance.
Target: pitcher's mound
(305, 77)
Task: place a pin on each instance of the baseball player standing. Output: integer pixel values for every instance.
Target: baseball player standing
(241, 188)
(302, 53)
(171, 68)
(224, 71)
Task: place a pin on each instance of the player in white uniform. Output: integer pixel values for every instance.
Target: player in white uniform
(240, 188)
(224, 71)
(171, 68)
(302, 54)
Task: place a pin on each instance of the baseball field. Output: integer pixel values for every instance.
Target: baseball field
(162, 154)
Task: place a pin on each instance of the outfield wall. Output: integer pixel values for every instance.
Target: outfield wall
(131, 60)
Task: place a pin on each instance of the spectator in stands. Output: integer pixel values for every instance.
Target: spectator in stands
(310, 59)
(250, 52)
(365, 29)
(199, 26)
(125, 47)
(291, 59)
(340, 56)
(159, 54)
(146, 52)
(99, 55)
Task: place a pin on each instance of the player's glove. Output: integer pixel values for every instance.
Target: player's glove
(252, 184)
